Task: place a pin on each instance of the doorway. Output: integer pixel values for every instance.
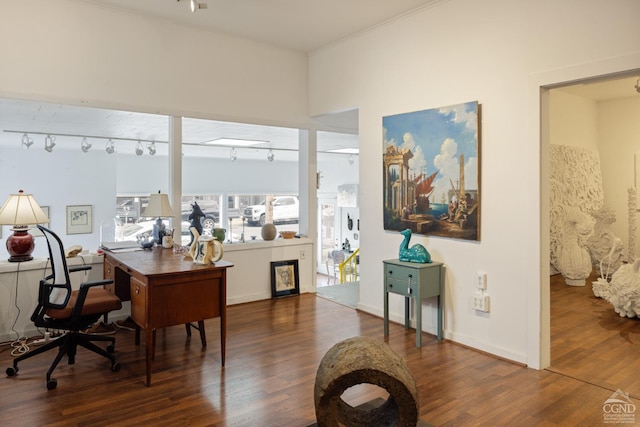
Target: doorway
(588, 340)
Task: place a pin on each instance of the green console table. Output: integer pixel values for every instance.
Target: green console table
(417, 281)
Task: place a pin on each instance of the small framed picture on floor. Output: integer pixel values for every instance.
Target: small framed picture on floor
(285, 280)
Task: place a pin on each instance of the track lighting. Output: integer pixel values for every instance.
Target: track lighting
(271, 156)
(350, 159)
(49, 143)
(110, 148)
(85, 145)
(196, 5)
(233, 155)
(26, 141)
(152, 148)
(139, 149)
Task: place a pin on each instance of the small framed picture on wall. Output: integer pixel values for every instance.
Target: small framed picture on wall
(79, 219)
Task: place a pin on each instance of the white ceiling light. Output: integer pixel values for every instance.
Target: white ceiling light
(196, 5)
(110, 148)
(234, 142)
(271, 156)
(152, 148)
(49, 143)
(139, 149)
(26, 141)
(345, 151)
(233, 155)
(85, 145)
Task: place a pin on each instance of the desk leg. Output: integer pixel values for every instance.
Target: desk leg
(407, 325)
(417, 303)
(440, 317)
(149, 341)
(223, 317)
(386, 313)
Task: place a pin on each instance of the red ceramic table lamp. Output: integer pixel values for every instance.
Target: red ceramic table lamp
(21, 210)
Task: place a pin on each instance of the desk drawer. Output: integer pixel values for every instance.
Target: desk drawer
(139, 302)
(401, 280)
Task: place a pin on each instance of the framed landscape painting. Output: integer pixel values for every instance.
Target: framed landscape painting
(431, 171)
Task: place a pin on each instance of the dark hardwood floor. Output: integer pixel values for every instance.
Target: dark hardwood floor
(273, 351)
(590, 341)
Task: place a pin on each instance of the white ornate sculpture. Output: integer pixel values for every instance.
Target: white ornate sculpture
(574, 261)
(624, 290)
(601, 242)
(576, 182)
(608, 265)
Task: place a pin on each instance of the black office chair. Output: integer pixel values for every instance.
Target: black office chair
(61, 308)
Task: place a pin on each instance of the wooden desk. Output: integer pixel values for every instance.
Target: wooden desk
(167, 290)
(417, 281)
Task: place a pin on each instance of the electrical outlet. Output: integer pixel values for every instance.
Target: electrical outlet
(481, 302)
(303, 254)
(481, 281)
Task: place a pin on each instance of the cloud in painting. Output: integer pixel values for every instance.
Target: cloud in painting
(418, 164)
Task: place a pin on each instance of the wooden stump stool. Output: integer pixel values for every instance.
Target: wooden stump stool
(364, 360)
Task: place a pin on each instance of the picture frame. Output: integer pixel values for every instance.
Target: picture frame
(285, 279)
(431, 171)
(79, 219)
(33, 230)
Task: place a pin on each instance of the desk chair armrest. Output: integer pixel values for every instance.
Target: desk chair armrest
(71, 270)
(82, 295)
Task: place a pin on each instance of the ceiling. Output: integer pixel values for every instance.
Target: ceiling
(302, 25)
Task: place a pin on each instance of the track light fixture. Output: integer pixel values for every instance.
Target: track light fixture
(111, 147)
(350, 159)
(271, 156)
(139, 149)
(49, 143)
(152, 148)
(233, 155)
(85, 145)
(196, 5)
(26, 141)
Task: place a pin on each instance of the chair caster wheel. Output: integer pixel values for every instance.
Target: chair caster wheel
(116, 367)
(110, 348)
(11, 371)
(52, 384)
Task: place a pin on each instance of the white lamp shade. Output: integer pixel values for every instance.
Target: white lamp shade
(22, 209)
(158, 206)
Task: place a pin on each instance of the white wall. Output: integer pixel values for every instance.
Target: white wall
(573, 120)
(619, 141)
(498, 52)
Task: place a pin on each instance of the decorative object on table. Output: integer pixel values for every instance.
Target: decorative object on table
(574, 261)
(158, 207)
(219, 234)
(146, 241)
(287, 234)
(79, 219)
(416, 253)
(167, 241)
(21, 210)
(205, 249)
(268, 231)
(195, 217)
(72, 251)
(284, 278)
(418, 189)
